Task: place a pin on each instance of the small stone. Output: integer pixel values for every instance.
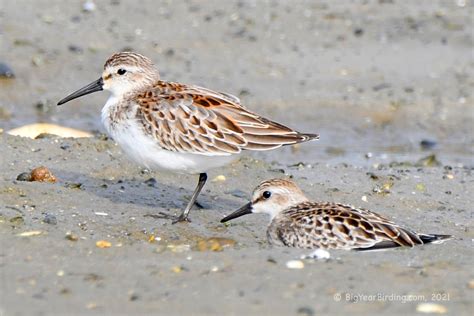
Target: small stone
(358, 32)
(295, 264)
(151, 182)
(431, 308)
(427, 144)
(364, 198)
(6, 71)
(75, 49)
(24, 176)
(305, 311)
(176, 269)
(421, 187)
(50, 219)
(37, 61)
(70, 236)
(72, 185)
(103, 244)
(60, 273)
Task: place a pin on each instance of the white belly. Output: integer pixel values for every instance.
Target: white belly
(146, 152)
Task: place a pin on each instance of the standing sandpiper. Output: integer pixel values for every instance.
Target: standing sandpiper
(298, 222)
(177, 127)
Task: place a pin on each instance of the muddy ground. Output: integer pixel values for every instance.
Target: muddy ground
(387, 84)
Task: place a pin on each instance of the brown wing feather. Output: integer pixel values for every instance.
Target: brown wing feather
(197, 120)
(337, 226)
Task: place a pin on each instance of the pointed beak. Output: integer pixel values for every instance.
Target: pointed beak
(90, 88)
(244, 210)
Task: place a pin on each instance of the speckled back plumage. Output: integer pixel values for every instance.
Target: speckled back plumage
(336, 226)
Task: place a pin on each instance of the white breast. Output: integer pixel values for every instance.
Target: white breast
(145, 151)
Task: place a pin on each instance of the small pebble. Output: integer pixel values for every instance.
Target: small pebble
(151, 182)
(24, 176)
(295, 264)
(6, 71)
(50, 219)
(70, 236)
(358, 32)
(103, 244)
(427, 144)
(75, 49)
(305, 311)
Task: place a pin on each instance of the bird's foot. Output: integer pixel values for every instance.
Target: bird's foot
(318, 254)
(174, 219)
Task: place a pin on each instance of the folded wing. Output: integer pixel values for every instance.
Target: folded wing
(197, 120)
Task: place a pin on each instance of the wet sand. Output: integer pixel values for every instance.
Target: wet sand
(374, 79)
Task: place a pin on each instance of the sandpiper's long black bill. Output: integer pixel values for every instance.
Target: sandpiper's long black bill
(244, 210)
(90, 88)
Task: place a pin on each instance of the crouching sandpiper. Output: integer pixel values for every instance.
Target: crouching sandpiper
(298, 222)
(181, 128)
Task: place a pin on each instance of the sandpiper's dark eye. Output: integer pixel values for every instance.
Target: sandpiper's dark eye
(121, 71)
(266, 194)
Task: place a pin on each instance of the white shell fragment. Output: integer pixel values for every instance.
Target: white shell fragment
(318, 254)
(431, 308)
(33, 130)
(295, 264)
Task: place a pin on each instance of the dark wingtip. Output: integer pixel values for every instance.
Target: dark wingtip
(307, 137)
(434, 238)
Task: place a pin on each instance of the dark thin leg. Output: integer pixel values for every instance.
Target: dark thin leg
(184, 215)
